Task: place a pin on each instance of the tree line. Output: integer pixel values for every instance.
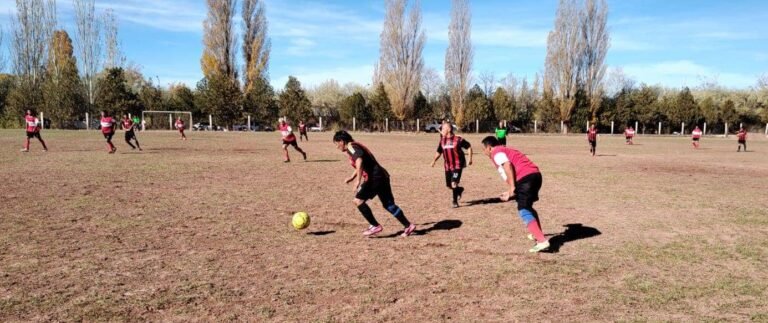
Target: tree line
(68, 77)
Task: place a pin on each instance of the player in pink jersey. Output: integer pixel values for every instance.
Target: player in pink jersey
(629, 134)
(371, 180)
(289, 139)
(524, 180)
(696, 136)
(33, 126)
(128, 127)
(108, 126)
(742, 137)
(180, 127)
(592, 138)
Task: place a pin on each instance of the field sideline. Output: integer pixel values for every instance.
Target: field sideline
(198, 230)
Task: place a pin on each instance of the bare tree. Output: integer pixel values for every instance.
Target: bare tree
(219, 39)
(617, 80)
(488, 79)
(32, 30)
(88, 43)
(459, 56)
(2, 54)
(115, 57)
(594, 33)
(430, 83)
(564, 59)
(256, 44)
(401, 62)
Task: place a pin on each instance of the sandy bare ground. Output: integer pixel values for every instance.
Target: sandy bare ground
(199, 231)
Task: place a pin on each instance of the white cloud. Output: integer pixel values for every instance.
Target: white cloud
(684, 73)
(353, 74)
(170, 15)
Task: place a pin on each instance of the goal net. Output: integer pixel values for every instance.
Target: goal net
(164, 120)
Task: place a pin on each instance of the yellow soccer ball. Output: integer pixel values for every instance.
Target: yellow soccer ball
(300, 220)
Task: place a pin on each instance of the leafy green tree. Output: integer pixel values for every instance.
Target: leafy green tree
(7, 83)
(220, 96)
(504, 105)
(379, 103)
(150, 98)
(113, 95)
(354, 106)
(293, 101)
(62, 91)
(260, 101)
(181, 98)
(421, 108)
(478, 107)
(728, 113)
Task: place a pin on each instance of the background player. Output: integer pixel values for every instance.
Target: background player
(33, 130)
(303, 131)
(501, 133)
(129, 127)
(451, 147)
(180, 127)
(629, 134)
(696, 136)
(524, 180)
(592, 138)
(742, 137)
(108, 126)
(371, 180)
(289, 139)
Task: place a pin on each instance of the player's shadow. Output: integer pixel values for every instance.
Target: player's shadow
(321, 233)
(573, 232)
(443, 225)
(322, 160)
(601, 155)
(490, 200)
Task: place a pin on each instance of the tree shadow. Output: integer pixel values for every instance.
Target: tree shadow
(444, 225)
(321, 233)
(573, 232)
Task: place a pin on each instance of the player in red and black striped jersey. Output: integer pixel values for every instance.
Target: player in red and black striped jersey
(33, 126)
(742, 137)
(371, 180)
(451, 148)
(289, 139)
(592, 138)
(129, 127)
(108, 126)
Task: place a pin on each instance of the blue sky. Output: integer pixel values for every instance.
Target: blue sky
(673, 43)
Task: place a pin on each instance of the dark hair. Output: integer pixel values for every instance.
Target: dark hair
(490, 141)
(342, 136)
(105, 112)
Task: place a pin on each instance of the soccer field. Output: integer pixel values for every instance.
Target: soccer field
(200, 230)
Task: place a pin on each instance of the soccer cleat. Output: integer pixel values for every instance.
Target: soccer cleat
(540, 246)
(461, 191)
(409, 230)
(304, 154)
(455, 204)
(372, 230)
(530, 237)
(25, 150)
(287, 161)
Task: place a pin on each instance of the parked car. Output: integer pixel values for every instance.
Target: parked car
(435, 127)
(514, 129)
(204, 126)
(243, 127)
(263, 127)
(316, 129)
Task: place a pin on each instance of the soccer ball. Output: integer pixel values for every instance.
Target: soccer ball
(300, 220)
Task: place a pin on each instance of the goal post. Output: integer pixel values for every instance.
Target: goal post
(164, 120)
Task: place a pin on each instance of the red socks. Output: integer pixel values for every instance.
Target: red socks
(533, 228)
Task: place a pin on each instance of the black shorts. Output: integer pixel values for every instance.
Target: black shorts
(629, 138)
(742, 141)
(527, 191)
(130, 135)
(291, 143)
(33, 134)
(302, 133)
(108, 136)
(502, 141)
(376, 187)
(593, 143)
(452, 176)
(695, 139)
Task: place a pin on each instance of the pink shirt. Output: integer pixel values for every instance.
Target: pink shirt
(520, 164)
(696, 133)
(287, 132)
